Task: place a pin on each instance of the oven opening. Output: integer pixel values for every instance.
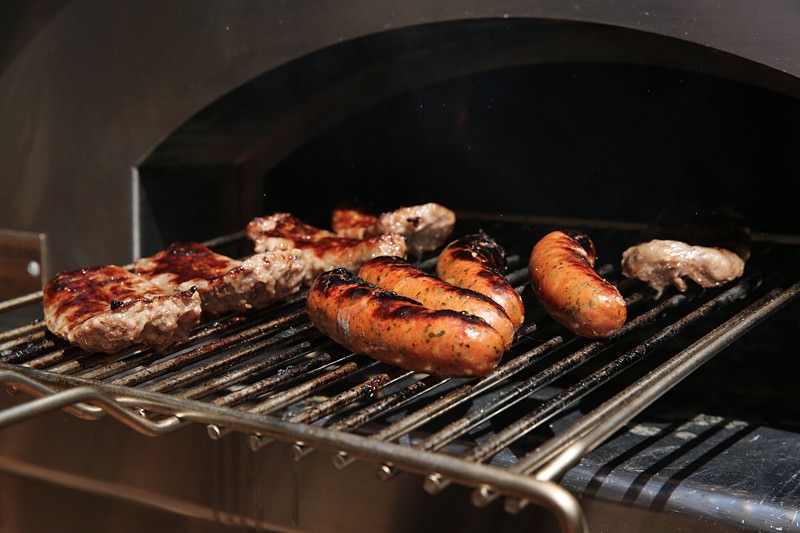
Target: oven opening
(516, 117)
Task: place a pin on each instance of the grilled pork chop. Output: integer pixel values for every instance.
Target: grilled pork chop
(322, 250)
(660, 263)
(425, 227)
(107, 308)
(225, 284)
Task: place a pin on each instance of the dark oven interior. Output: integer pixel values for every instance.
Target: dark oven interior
(520, 127)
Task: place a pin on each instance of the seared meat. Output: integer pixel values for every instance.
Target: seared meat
(425, 227)
(662, 262)
(322, 250)
(107, 308)
(225, 284)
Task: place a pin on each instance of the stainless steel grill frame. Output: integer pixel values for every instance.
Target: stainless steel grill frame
(278, 360)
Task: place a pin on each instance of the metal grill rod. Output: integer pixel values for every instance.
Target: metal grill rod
(248, 370)
(73, 400)
(11, 338)
(551, 460)
(140, 356)
(168, 365)
(561, 400)
(549, 495)
(524, 389)
(292, 395)
(459, 395)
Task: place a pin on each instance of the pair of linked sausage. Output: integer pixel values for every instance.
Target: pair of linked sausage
(373, 321)
(563, 278)
(401, 315)
(397, 275)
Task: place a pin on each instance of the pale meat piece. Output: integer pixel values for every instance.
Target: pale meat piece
(107, 308)
(321, 249)
(425, 227)
(660, 263)
(225, 284)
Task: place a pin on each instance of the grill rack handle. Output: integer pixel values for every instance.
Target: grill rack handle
(74, 401)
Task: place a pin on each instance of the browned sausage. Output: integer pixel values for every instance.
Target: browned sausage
(397, 275)
(397, 330)
(476, 262)
(564, 280)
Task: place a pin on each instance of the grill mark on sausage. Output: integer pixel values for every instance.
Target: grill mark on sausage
(399, 330)
(476, 262)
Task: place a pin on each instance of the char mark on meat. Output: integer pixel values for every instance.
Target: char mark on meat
(226, 284)
(322, 250)
(107, 309)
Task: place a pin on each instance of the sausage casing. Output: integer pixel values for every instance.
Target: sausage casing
(476, 262)
(564, 280)
(397, 330)
(397, 275)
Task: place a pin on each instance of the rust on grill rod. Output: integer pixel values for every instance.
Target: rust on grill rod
(205, 350)
(252, 369)
(12, 338)
(271, 375)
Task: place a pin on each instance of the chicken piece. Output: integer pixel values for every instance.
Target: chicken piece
(425, 227)
(107, 308)
(321, 249)
(660, 263)
(225, 284)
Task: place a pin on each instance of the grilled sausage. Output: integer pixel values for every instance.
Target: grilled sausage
(564, 280)
(397, 330)
(476, 262)
(397, 275)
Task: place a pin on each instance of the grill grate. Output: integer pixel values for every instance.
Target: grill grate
(271, 374)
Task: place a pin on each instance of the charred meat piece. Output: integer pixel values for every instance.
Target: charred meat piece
(321, 249)
(425, 227)
(660, 263)
(225, 284)
(107, 308)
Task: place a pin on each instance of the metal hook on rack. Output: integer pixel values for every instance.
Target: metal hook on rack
(73, 401)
